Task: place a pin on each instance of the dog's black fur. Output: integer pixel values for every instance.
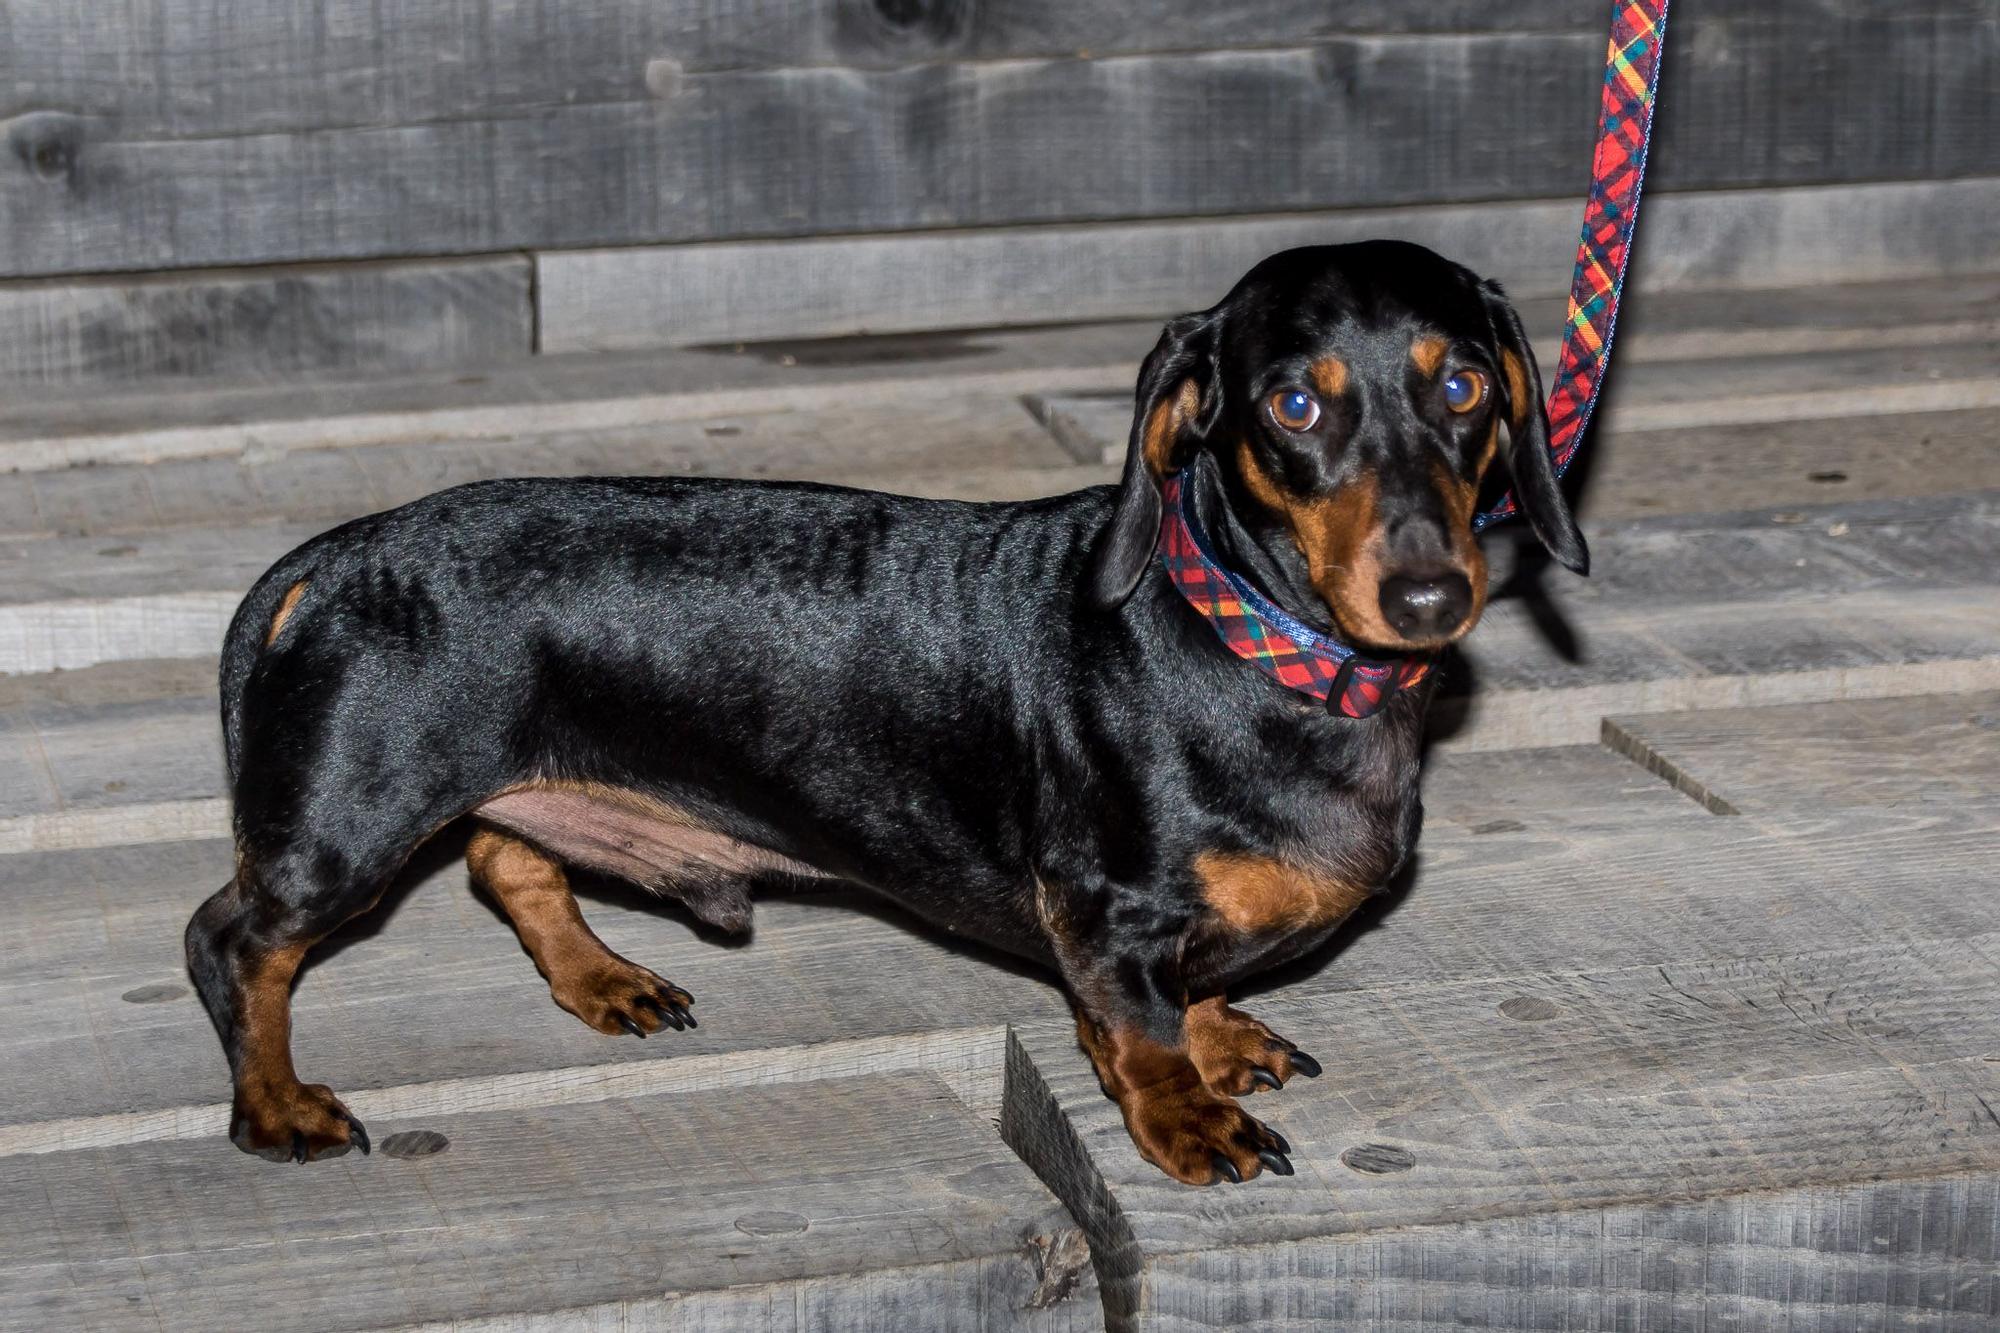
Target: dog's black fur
(1003, 716)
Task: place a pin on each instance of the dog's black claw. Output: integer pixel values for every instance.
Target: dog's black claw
(298, 1147)
(670, 1014)
(1227, 1168)
(1277, 1161)
(1278, 1140)
(690, 1019)
(1305, 1064)
(1259, 1074)
(357, 1134)
(631, 1027)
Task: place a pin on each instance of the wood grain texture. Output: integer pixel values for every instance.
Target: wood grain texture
(722, 291)
(265, 324)
(435, 987)
(875, 1201)
(668, 152)
(1903, 753)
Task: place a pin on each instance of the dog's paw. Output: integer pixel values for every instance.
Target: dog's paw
(300, 1122)
(1238, 1055)
(615, 997)
(1200, 1137)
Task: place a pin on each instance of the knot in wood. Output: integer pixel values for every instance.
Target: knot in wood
(1378, 1159)
(47, 143)
(414, 1143)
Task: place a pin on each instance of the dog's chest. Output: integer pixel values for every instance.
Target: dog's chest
(1339, 826)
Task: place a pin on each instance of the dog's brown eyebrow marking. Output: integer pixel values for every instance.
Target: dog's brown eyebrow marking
(1329, 376)
(1428, 353)
(285, 609)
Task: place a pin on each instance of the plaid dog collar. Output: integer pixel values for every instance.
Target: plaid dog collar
(1259, 632)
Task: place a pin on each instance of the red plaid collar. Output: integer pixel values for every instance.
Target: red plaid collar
(1260, 632)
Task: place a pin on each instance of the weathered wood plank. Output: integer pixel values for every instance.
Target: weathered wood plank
(812, 149)
(874, 1202)
(435, 987)
(437, 314)
(185, 67)
(1901, 753)
(1839, 1259)
(1531, 863)
(723, 291)
(1665, 1094)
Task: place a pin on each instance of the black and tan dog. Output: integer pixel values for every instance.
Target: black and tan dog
(1005, 717)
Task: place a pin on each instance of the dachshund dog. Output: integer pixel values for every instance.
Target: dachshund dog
(1012, 719)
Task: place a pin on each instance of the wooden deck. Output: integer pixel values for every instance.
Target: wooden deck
(1689, 1016)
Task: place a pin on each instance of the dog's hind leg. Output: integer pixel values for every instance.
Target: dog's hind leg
(609, 993)
(244, 947)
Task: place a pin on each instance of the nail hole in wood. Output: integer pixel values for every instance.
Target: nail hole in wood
(771, 1224)
(157, 993)
(1829, 478)
(414, 1143)
(1529, 1009)
(1378, 1159)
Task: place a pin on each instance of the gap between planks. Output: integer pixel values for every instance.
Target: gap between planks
(1619, 741)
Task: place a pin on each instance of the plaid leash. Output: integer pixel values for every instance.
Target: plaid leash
(1624, 125)
(1294, 654)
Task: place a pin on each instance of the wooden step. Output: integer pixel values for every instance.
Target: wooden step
(1680, 1067)
(1935, 319)
(847, 1202)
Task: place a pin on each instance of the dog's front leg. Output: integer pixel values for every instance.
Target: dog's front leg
(1132, 1021)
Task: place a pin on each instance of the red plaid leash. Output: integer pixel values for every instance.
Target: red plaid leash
(1294, 654)
(1617, 168)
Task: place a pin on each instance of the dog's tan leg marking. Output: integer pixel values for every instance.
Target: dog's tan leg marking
(1177, 1121)
(609, 993)
(275, 1115)
(1232, 1050)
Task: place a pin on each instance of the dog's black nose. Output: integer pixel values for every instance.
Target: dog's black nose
(1426, 608)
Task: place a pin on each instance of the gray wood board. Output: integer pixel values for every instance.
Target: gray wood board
(1651, 1094)
(919, 436)
(863, 1202)
(555, 394)
(1799, 237)
(1834, 1259)
(1901, 753)
(182, 67)
(1666, 1074)
(267, 323)
(810, 149)
(439, 989)
(1543, 863)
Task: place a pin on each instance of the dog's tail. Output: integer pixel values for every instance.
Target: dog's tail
(250, 629)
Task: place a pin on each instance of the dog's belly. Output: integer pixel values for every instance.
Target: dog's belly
(645, 840)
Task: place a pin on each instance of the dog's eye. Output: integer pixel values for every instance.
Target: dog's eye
(1464, 391)
(1294, 409)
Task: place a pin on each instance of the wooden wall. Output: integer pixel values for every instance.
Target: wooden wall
(183, 134)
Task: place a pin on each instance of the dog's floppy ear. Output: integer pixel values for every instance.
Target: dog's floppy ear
(1536, 490)
(1178, 401)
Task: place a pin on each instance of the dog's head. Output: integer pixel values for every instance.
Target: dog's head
(1346, 401)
